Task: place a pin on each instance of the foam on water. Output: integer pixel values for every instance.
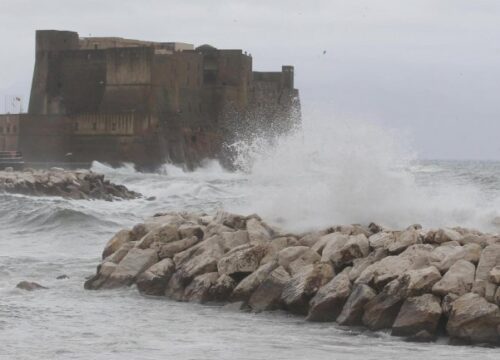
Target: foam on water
(330, 172)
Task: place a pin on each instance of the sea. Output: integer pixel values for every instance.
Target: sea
(324, 174)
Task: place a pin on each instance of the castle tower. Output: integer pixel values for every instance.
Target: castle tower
(287, 76)
(48, 44)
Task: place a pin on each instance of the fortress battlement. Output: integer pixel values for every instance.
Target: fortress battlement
(121, 100)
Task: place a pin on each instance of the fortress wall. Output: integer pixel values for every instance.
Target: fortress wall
(9, 132)
(78, 81)
(44, 138)
(128, 80)
(103, 124)
(174, 74)
(116, 138)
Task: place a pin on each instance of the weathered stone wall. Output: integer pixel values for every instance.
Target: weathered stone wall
(193, 99)
(9, 131)
(44, 138)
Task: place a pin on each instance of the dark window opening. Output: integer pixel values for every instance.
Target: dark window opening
(8, 129)
(14, 129)
(193, 139)
(113, 126)
(96, 46)
(76, 126)
(59, 85)
(94, 126)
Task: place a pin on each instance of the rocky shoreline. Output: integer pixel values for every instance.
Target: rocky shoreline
(420, 284)
(79, 184)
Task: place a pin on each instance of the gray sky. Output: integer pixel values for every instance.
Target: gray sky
(430, 68)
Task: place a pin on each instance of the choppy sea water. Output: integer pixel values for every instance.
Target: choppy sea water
(42, 238)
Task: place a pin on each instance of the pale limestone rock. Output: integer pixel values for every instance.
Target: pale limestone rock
(169, 250)
(333, 243)
(421, 281)
(379, 240)
(248, 285)
(268, 295)
(328, 302)
(154, 280)
(473, 319)
(243, 259)
(418, 314)
(303, 285)
(119, 239)
(458, 280)
(353, 309)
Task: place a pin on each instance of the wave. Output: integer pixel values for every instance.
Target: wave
(336, 172)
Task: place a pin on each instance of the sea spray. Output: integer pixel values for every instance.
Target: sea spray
(330, 171)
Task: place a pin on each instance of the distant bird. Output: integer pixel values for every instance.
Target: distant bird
(324, 52)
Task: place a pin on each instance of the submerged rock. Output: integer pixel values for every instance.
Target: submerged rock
(30, 286)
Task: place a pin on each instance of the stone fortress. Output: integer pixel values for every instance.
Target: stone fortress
(119, 100)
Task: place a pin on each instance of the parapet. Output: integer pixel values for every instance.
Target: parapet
(56, 40)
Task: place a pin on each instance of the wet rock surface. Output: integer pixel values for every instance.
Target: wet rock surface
(419, 283)
(69, 184)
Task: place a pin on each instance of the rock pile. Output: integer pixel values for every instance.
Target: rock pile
(80, 184)
(419, 283)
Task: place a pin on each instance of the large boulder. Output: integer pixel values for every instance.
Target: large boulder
(197, 260)
(276, 245)
(161, 235)
(222, 289)
(359, 265)
(356, 246)
(242, 260)
(391, 267)
(490, 257)
(353, 309)
(199, 289)
(133, 264)
(232, 239)
(332, 244)
(381, 239)
(257, 232)
(229, 220)
(327, 304)
(154, 280)
(444, 235)
(190, 229)
(303, 285)
(494, 275)
(169, 250)
(381, 311)
(117, 241)
(268, 295)
(474, 320)
(458, 280)
(421, 281)
(295, 257)
(248, 285)
(419, 317)
(402, 240)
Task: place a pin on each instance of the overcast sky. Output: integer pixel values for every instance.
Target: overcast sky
(429, 68)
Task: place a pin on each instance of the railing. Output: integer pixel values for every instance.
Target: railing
(12, 159)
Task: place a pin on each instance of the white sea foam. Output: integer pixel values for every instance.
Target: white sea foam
(328, 172)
